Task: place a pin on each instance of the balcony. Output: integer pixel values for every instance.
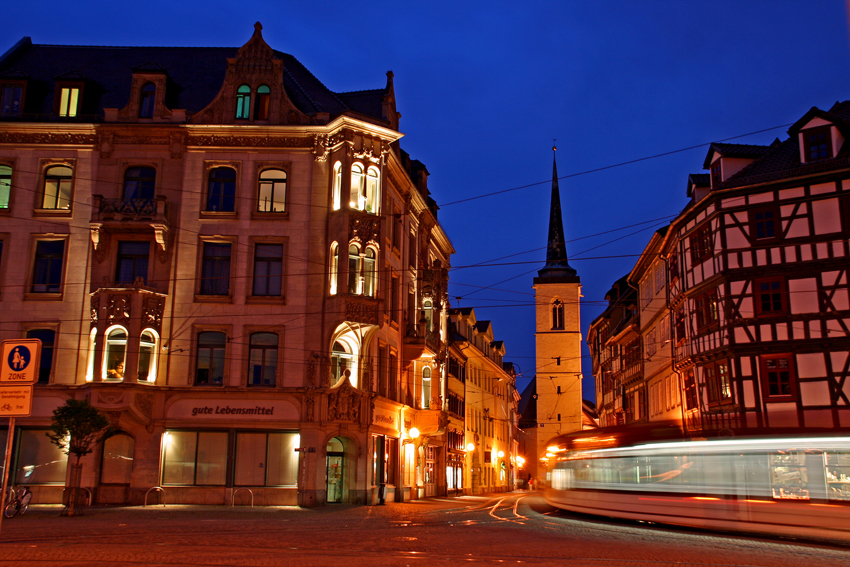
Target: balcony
(418, 342)
(135, 306)
(133, 215)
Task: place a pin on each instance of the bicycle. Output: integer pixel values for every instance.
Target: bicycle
(19, 502)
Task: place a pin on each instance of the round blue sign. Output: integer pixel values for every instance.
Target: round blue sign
(19, 358)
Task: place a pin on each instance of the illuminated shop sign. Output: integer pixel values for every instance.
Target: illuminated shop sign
(228, 410)
(279, 410)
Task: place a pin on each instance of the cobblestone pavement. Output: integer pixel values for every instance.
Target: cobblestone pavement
(505, 529)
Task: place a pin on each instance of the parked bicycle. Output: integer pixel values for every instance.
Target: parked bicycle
(19, 501)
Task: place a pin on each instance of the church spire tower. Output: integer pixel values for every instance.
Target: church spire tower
(557, 294)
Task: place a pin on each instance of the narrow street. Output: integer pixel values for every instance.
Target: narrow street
(517, 528)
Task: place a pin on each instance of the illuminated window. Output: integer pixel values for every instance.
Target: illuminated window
(58, 184)
(147, 97)
(426, 388)
(69, 98)
(369, 273)
(139, 183)
(261, 108)
(334, 269)
(266, 459)
(194, 458)
(428, 314)
(47, 268)
(557, 314)
(209, 367)
(370, 197)
(262, 359)
(701, 244)
(353, 269)
(147, 355)
(358, 199)
(243, 102)
(706, 309)
(115, 354)
(337, 186)
(5, 186)
(341, 360)
(272, 191)
(268, 269)
(221, 190)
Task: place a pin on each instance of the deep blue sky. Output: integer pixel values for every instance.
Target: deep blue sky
(484, 87)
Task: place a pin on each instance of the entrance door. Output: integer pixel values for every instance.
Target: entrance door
(335, 471)
(431, 455)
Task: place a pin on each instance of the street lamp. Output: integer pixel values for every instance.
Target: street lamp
(413, 432)
(470, 447)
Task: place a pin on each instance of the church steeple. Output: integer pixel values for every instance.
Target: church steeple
(556, 250)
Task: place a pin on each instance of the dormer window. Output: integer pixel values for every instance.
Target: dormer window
(146, 100)
(243, 102)
(716, 174)
(818, 143)
(261, 108)
(11, 99)
(68, 100)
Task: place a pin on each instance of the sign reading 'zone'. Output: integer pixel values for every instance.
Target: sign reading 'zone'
(20, 361)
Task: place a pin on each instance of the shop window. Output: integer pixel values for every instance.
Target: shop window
(243, 102)
(209, 367)
(117, 463)
(778, 377)
(58, 186)
(764, 224)
(48, 339)
(215, 269)
(11, 99)
(148, 348)
(221, 190)
(115, 355)
(341, 360)
(333, 273)
(261, 108)
(701, 244)
(271, 196)
(370, 274)
(266, 459)
(47, 268)
(147, 98)
(262, 359)
(353, 269)
(426, 388)
(818, 143)
(194, 458)
(268, 269)
(337, 187)
(139, 183)
(39, 461)
(69, 100)
(557, 315)
(5, 186)
(770, 296)
(132, 262)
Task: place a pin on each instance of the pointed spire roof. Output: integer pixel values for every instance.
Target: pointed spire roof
(557, 265)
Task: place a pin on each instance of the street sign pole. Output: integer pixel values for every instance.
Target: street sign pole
(6, 462)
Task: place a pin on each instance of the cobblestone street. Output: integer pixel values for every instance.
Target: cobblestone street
(497, 529)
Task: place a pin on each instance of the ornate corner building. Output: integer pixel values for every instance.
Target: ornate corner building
(736, 317)
(242, 268)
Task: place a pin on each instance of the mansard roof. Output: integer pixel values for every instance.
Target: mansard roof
(195, 77)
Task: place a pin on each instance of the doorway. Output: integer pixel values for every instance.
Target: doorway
(335, 472)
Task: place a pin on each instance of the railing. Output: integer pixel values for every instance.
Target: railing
(158, 489)
(124, 210)
(233, 494)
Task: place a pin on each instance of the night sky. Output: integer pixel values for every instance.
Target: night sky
(485, 87)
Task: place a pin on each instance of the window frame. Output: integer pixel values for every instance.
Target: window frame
(134, 257)
(198, 433)
(7, 210)
(280, 297)
(764, 378)
(11, 83)
(701, 243)
(44, 167)
(262, 103)
(776, 224)
(209, 167)
(31, 280)
(200, 295)
(197, 331)
(79, 86)
(243, 102)
(146, 111)
(105, 365)
(783, 297)
(260, 167)
(808, 144)
(706, 317)
(249, 332)
(53, 347)
(557, 315)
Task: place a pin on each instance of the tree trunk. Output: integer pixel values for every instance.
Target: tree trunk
(74, 489)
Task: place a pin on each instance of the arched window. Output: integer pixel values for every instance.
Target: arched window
(243, 102)
(341, 360)
(334, 269)
(371, 197)
(147, 98)
(353, 270)
(221, 192)
(428, 309)
(58, 182)
(370, 276)
(92, 350)
(117, 466)
(262, 359)
(337, 187)
(209, 369)
(115, 355)
(426, 388)
(147, 355)
(271, 197)
(358, 200)
(139, 183)
(557, 314)
(261, 108)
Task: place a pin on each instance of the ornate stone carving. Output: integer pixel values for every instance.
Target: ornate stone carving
(114, 418)
(110, 398)
(320, 147)
(106, 143)
(95, 307)
(144, 403)
(146, 140)
(47, 138)
(361, 310)
(344, 402)
(152, 308)
(118, 310)
(178, 141)
(364, 227)
(310, 404)
(250, 141)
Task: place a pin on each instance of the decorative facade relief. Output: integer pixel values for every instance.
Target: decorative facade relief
(344, 402)
(364, 227)
(152, 308)
(118, 310)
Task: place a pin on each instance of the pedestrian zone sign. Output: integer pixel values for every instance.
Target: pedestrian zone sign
(20, 361)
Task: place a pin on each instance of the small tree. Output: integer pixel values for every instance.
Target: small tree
(77, 428)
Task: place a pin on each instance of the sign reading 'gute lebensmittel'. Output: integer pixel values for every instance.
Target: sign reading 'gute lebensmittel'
(20, 361)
